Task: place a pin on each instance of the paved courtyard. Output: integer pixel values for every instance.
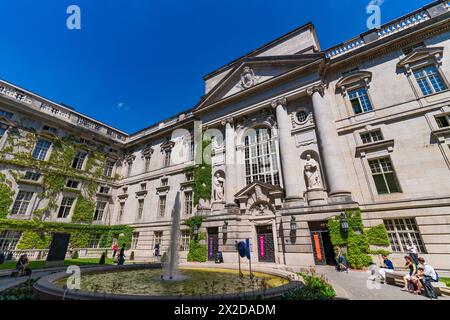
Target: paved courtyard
(355, 285)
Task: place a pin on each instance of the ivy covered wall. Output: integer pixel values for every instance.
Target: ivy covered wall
(203, 174)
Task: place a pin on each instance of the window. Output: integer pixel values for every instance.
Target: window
(135, 240)
(384, 175)
(121, 208)
(443, 121)
(6, 114)
(41, 148)
(188, 203)
(140, 209)
(164, 182)
(400, 231)
(429, 80)
(129, 168)
(302, 116)
(2, 131)
(108, 170)
(147, 164)
(162, 206)
(32, 176)
(49, 129)
(372, 136)
(143, 186)
(9, 240)
(157, 238)
(191, 149)
(185, 238)
(261, 158)
(66, 206)
(167, 158)
(94, 241)
(360, 100)
(72, 184)
(104, 190)
(99, 210)
(78, 161)
(189, 176)
(22, 202)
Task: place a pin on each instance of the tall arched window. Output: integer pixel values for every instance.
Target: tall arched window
(261, 158)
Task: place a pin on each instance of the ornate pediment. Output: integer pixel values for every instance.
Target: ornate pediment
(259, 198)
(354, 78)
(421, 54)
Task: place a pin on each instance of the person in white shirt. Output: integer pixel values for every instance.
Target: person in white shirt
(428, 270)
(412, 251)
(428, 275)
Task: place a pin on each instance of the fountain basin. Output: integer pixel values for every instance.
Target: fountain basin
(142, 282)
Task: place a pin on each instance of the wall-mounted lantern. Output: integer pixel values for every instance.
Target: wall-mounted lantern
(195, 231)
(344, 223)
(293, 226)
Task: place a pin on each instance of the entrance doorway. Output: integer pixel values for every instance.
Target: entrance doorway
(266, 248)
(321, 242)
(213, 243)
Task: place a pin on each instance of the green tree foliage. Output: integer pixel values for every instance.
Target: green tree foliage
(6, 196)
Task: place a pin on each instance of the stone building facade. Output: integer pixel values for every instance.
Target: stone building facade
(299, 134)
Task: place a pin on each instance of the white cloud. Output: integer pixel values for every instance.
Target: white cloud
(122, 106)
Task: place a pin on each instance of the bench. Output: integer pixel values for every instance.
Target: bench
(396, 279)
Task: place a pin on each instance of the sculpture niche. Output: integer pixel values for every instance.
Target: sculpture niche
(218, 190)
(313, 179)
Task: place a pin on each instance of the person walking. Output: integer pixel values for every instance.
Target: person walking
(121, 259)
(115, 248)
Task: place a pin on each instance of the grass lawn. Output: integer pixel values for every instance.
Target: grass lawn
(41, 264)
(445, 280)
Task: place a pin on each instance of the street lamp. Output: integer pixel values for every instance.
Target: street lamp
(344, 223)
(195, 231)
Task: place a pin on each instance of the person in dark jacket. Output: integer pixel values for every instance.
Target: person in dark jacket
(121, 259)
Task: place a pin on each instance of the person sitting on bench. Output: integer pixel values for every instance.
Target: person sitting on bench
(22, 267)
(388, 267)
(429, 276)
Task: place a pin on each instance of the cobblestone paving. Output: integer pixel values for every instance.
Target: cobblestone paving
(355, 285)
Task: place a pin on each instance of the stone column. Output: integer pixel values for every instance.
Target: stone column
(230, 162)
(329, 145)
(289, 162)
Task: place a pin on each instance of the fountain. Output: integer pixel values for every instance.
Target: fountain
(168, 281)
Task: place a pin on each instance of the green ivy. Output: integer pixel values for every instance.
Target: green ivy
(197, 251)
(83, 211)
(203, 174)
(378, 236)
(6, 196)
(34, 240)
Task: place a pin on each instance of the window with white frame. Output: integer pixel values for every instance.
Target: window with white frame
(360, 101)
(9, 240)
(22, 202)
(65, 207)
(99, 210)
(401, 231)
(140, 211)
(185, 238)
(429, 80)
(443, 121)
(108, 170)
(371, 136)
(78, 161)
(261, 157)
(162, 206)
(41, 149)
(384, 176)
(188, 203)
(72, 184)
(94, 241)
(32, 176)
(135, 240)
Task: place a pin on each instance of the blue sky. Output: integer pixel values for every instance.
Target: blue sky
(136, 62)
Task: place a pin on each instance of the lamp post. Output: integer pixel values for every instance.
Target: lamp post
(344, 223)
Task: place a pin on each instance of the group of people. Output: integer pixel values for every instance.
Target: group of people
(120, 259)
(420, 274)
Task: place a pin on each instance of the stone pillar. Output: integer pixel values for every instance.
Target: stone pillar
(330, 150)
(289, 162)
(230, 162)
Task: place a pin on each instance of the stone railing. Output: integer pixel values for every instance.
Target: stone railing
(61, 112)
(406, 22)
(41, 254)
(403, 24)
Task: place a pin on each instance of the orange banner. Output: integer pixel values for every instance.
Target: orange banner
(317, 245)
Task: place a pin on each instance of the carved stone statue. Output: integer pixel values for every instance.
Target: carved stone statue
(312, 173)
(218, 182)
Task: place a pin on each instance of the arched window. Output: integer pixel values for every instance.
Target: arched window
(261, 158)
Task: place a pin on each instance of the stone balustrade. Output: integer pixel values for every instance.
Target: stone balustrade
(403, 24)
